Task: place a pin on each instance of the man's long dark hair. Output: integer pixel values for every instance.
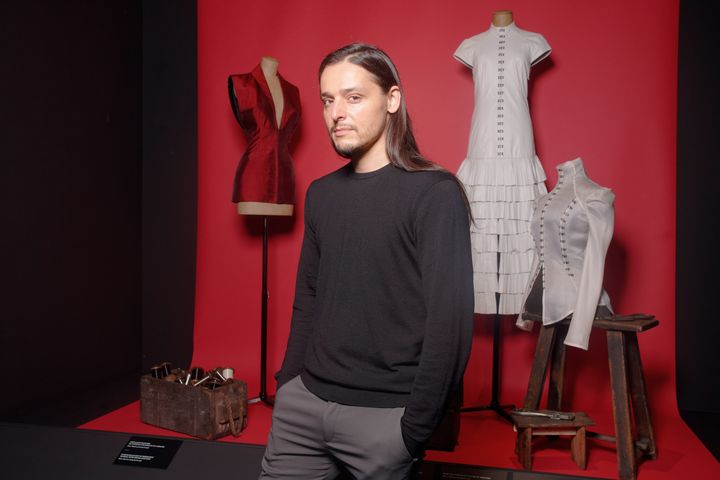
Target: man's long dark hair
(400, 142)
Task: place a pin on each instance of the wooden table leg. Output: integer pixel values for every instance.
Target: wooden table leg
(557, 368)
(638, 394)
(538, 370)
(578, 451)
(525, 447)
(617, 356)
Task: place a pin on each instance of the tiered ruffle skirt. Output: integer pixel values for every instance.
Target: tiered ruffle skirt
(502, 192)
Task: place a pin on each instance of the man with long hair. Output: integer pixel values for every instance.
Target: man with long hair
(382, 318)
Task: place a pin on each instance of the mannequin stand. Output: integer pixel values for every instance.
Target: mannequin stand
(263, 396)
(494, 404)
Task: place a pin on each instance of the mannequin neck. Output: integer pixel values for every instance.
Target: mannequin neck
(269, 66)
(502, 18)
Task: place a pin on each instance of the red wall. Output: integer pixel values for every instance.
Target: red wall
(607, 94)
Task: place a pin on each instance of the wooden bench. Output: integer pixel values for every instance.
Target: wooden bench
(527, 427)
(627, 382)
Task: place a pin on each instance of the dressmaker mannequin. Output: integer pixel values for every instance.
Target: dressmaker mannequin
(572, 228)
(267, 107)
(269, 67)
(501, 172)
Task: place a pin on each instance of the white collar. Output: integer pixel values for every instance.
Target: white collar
(572, 168)
(507, 30)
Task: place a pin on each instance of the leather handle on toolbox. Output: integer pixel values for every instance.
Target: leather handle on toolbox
(233, 428)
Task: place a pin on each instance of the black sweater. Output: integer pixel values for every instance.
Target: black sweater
(384, 300)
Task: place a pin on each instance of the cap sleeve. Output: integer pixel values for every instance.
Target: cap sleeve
(464, 54)
(242, 98)
(539, 49)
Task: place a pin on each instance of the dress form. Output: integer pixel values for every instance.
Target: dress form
(267, 73)
(501, 171)
(572, 227)
(267, 108)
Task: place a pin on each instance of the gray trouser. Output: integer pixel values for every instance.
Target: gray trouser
(310, 438)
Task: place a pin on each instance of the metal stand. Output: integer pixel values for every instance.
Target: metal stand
(494, 404)
(263, 396)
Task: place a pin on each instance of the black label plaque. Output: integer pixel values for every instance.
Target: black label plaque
(148, 452)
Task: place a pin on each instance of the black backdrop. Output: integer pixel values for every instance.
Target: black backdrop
(698, 256)
(98, 201)
(169, 192)
(99, 145)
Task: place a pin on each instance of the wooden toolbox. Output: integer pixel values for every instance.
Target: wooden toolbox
(196, 411)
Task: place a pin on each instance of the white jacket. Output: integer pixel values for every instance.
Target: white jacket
(572, 227)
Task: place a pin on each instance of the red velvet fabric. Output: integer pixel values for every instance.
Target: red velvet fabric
(265, 172)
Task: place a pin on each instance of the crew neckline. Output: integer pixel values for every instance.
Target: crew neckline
(364, 175)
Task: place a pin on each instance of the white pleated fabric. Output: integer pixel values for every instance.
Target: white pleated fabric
(501, 173)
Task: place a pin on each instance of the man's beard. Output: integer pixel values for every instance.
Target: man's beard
(349, 151)
(354, 150)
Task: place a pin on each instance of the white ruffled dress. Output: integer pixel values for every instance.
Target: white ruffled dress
(501, 173)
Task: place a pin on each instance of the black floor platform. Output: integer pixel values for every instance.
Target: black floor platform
(30, 452)
(58, 453)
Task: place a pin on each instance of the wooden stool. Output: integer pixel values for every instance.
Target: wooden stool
(629, 397)
(527, 427)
